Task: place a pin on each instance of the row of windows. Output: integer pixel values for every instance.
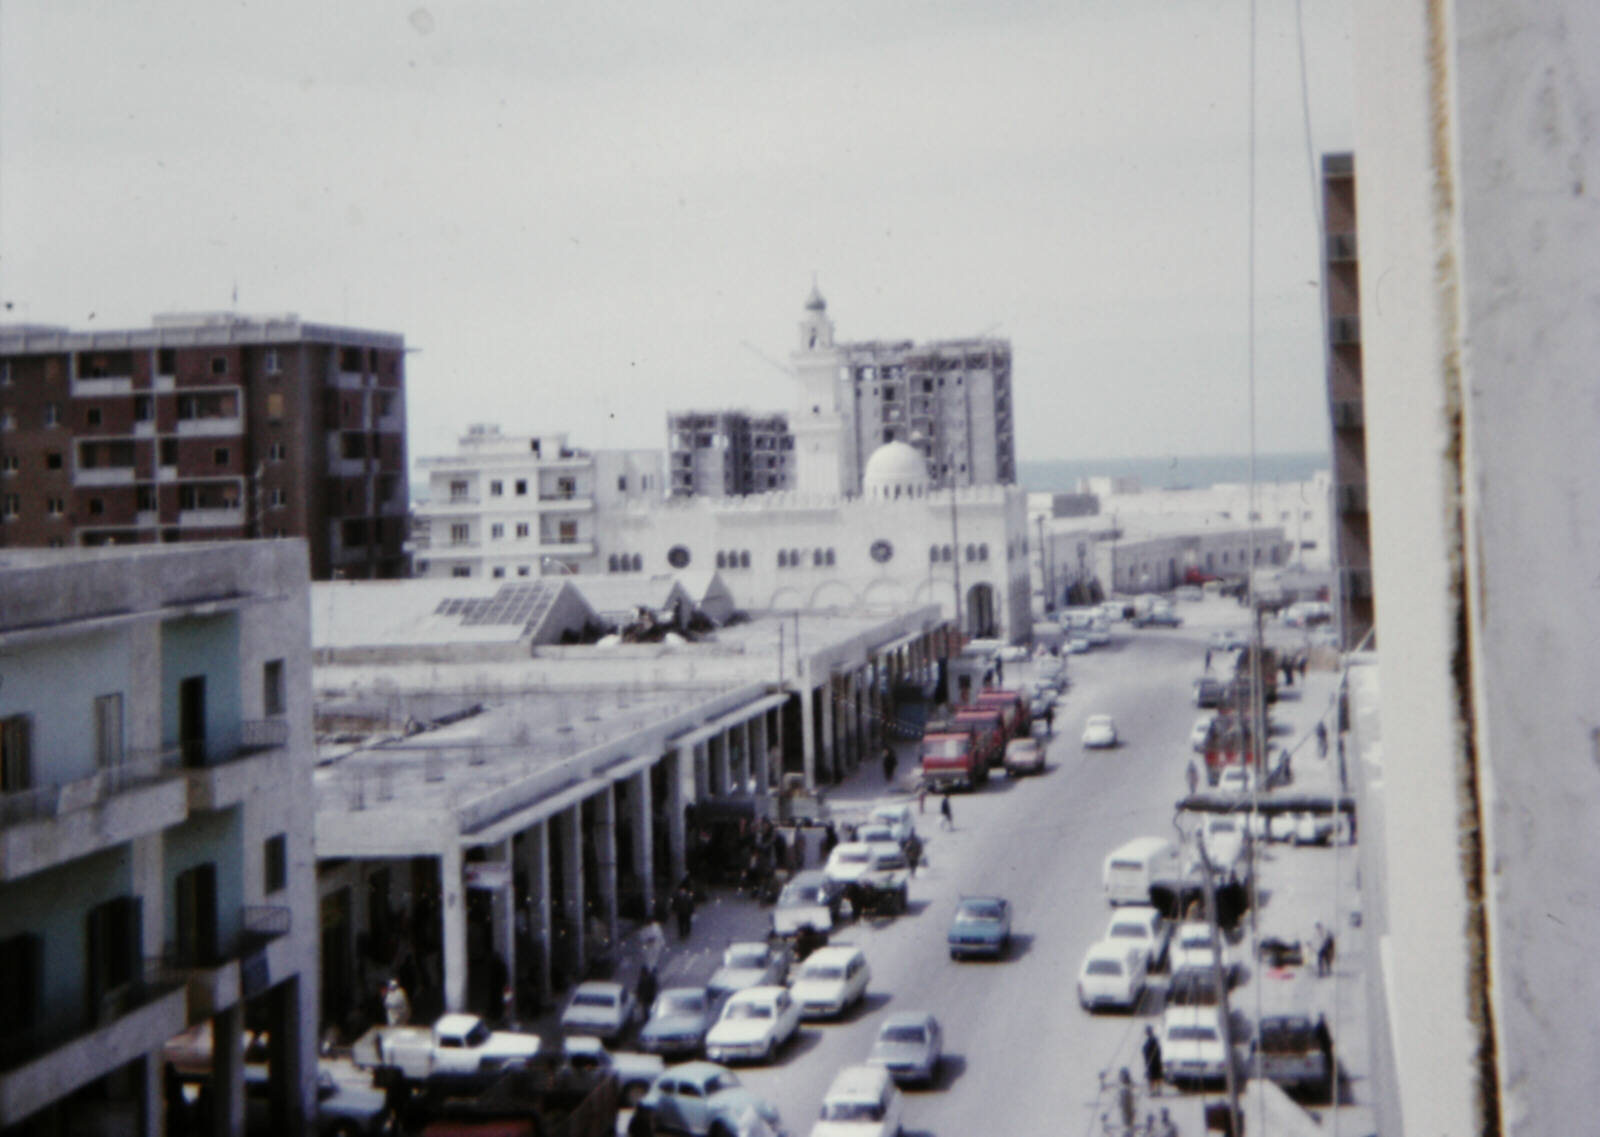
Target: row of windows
(733, 559)
(938, 554)
(625, 562)
(796, 558)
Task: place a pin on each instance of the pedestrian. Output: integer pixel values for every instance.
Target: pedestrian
(1325, 954)
(1050, 719)
(999, 671)
(947, 818)
(652, 945)
(830, 839)
(889, 763)
(1151, 1050)
(683, 909)
(1127, 1101)
(396, 1007)
(1322, 739)
(1208, 661)
(1192, 774)
(645, 989)
(913, 852)
(922, 798)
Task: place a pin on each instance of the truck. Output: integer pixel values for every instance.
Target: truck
(957, 754)
(1229, 741)
(1013, 707)
(458, 1049)
(987, 725)
(548, 1098)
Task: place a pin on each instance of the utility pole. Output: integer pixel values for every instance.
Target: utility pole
(1221, 981)
(1044, 573)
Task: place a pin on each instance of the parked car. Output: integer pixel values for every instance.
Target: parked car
(876, 833)
(1024, 756)
(1294, 1051)
(909, 1045)
(848, 863)
(1142, 926)
(1112, 975)
(1078, 644)
(1099, 633)
(458, 1048)
(1208, 692)
(602, 1009)
(749, 964)
(1231, 640)
(1099, 732)
(678, 1022)
(1225, 837)
(1193, 946)
(1158, 618)
(809, 900)
(1195, 1046)
(754, 1025)
(863, 1101)
(982, 926)
(831, 981)
(704, 1099)
(1200, 733)
(635, 1073)
(899, 818)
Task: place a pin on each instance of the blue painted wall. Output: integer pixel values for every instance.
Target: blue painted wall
(214, 837)
(56, 683)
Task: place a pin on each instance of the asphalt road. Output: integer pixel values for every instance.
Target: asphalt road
(1021, 1056)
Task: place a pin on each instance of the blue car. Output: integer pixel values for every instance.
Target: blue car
(982, 926)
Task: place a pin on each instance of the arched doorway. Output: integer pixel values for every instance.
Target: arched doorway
(981, 622)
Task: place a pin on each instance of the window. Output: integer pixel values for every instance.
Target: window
(611, 563)
(277, 498)
(567, 532)
(496, 531)
(220, 456)
(460, 534)
(458, 491)
(983, 552)
(933, 554)
(827, 557)
(499, 572)
(783, 558)
(10, 505)
(272, 693)
(622, 483)
(21, 974)
(744, 559)
(219, 365)
(496, 488)
(276, 452)
(55, 506)
(52, 415)
(9, 463)
(638, 562)
(275, 407)
(97, 506)
(522, 570)
(16, 754)
(272, 366)
(461, 570)
(522, 487)
(522, 529)
(8, 420)
(275, 863)
(145, 499)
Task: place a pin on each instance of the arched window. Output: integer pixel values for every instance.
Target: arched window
(744, 559)
(972, 553)
(945, 553)
(638, 562)
(783, 558)
(816, 558)
(983, 552)
(611, 563)
(933, 554)
(722, 559)
(830, 557)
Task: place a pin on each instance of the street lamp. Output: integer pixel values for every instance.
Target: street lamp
(545, 561)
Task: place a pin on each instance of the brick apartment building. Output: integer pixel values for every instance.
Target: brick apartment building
(207, 427)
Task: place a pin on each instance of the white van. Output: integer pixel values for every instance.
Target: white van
(1130, 870)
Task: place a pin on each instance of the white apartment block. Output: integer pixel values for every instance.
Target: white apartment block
(508, 506)
(156, 861)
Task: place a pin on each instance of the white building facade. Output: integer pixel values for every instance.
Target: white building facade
(509, 506)
(156, 859)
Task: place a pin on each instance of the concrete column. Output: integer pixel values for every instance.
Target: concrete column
(453, 911)
(829, 756)
(808, 736)
(700, 773)
(677, 844)
(642, 823)
(505, 917)
(569, 831)
(754, 768)
(536, 866)
(227, 1071)
(605, 855)
(760, 769)
(721, 766)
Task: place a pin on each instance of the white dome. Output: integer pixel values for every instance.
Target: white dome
(895, 470)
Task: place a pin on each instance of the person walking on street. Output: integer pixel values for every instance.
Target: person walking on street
(652, 945)
(1050, 719)
(683, 909)
(889, 763)
(645, 990)
(947, 818)
(396, 1007)
(830, 839)
(1322, 739)
(922, 798)
(913, 852)
(1208, 661)
(999, 672)
(1192, 776)
(1151, 1051)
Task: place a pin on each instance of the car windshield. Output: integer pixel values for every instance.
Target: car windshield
(1099, 720)
(1192, 1034)
(889, 862)
(944, 747)
(749, 956)
(592, 999)
(1196, 939)
(478, 1035)
(723, 1080)
(798, 894)
(876, 833)
(749, 1011)
(1127, 931)
(911, 1034)
(684, 1004)
(823, 972)
(1104, 967)
(854, 857)
(852, 1111)
(983, 910)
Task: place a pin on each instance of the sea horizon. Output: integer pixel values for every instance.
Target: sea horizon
(1194, 471)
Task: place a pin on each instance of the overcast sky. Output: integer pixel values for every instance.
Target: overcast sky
(580, 213)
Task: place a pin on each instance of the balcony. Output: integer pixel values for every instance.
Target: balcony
(219, 426)
(103, 476)
(238, 969)
(50, 825)
(239, 767)
(99, 386)
(42, 1064)
(220, 517)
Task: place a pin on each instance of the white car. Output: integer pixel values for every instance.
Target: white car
(1142, 926)
(603, 1010)
(875, 833)
(1235, 780)
(754, 1025)
(1099, 633)
(1194, 1045)
(1099, 732)
(863, 1101)
(1193, 946)
(848, 862)
(1112, 975)
(1199, 733)
(899, 818)
(909, 1046)
(1224, 836)
(831, 980)
(1078, 645)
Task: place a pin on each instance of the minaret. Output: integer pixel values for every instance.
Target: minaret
(822, 416)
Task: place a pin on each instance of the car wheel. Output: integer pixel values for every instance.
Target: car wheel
(720, 1129)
